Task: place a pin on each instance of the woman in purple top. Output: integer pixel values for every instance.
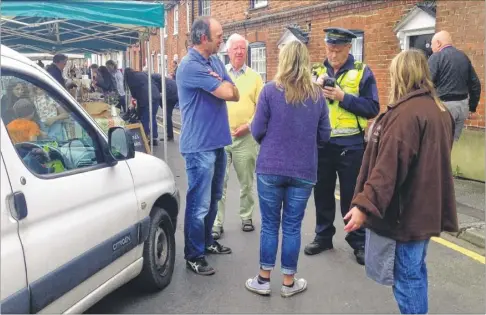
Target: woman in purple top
(291, 119)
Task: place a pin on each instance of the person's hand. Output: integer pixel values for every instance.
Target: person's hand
(241, 131)
(472, 116)
(334, 93)
(214, 74)
(356, 219)
(321, 78)
(49, 121)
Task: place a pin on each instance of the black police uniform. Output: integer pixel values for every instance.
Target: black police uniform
(342, 156)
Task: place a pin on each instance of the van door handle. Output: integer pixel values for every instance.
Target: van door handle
(19, 211)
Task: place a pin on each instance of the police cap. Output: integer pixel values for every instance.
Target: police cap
(338, 35)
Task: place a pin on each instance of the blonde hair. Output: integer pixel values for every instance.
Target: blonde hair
(294, 74)
(409, 71)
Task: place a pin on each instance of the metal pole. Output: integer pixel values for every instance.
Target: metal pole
(164, 95)
(123, 67)
(149, 70)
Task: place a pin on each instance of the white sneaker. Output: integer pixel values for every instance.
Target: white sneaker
(299, 286)
(253, 285)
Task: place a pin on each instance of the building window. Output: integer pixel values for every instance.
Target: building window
(176, 19)
(165, 24)
(357, 49)
(166, 70)
(205, 7)
(258, 59)
(256, 4)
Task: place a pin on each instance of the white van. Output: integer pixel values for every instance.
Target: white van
(82, 213)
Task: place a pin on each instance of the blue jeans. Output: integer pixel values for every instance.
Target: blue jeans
(274, 193)
(410, 275)
(205, 176)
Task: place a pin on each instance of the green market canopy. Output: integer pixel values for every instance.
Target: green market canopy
(76, 26)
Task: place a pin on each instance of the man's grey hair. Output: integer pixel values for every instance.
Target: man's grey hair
(233, 38)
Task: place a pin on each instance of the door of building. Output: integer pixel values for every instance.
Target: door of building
(422, 42)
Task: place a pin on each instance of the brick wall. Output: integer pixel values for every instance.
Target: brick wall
(377, 19)
(174, 43)
(464, 20)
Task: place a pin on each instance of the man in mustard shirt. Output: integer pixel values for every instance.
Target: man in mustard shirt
(243, 151)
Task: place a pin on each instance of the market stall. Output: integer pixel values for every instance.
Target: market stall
(84, 26)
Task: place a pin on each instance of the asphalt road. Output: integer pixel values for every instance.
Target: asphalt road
(336, 283)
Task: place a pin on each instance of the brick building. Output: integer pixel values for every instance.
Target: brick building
(384, 28)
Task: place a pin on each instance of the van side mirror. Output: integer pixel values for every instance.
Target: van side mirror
(120, 143)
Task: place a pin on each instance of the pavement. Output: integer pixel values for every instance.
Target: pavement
(337, 284)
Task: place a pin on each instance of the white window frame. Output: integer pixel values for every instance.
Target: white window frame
(357, 49)
(259, 3)
(205, 8)
(165, 25)
(166, 70)
(258, 59)
(176, 19)
(187, 16)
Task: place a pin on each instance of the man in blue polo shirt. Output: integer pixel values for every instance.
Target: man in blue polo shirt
(204, 86)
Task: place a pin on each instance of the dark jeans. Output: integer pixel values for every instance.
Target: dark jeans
(332, 160)
(205, 177)
(410, 273)
(170, 126)
(122, 104)
(144, 114)
(286, 197)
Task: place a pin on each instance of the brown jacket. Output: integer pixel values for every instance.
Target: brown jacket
(405, 182)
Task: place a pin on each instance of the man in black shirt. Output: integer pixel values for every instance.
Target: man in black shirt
(56, 68)
(454, 77)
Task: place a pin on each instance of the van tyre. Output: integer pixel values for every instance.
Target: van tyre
(158, 253)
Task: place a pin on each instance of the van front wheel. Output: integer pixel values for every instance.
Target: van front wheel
(158, 253)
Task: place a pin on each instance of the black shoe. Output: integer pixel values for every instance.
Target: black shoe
(360, 255)
(168, 139)
(217, 248)
(155, 142)
(200, 266)
(317, 247)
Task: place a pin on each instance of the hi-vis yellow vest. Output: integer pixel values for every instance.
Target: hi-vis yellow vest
(344, 123)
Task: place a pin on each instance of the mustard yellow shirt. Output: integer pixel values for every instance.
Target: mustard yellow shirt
(249, 84)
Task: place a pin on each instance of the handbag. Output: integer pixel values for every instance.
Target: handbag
(380, 258)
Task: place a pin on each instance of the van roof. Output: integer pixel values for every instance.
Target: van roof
(9, 52)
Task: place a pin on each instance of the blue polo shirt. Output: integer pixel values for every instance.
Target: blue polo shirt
(204, 117)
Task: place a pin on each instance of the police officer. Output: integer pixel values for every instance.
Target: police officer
(350, 88)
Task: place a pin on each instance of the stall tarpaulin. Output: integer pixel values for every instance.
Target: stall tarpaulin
(134, 13)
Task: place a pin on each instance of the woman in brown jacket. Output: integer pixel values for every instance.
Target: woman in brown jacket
(405, 190)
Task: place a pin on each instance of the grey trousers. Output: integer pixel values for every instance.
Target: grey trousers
(459, 111)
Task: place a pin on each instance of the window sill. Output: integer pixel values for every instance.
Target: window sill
(253, 9)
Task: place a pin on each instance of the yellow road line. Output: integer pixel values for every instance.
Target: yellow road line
(175, 131)
(460, 249)
(450, 245)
